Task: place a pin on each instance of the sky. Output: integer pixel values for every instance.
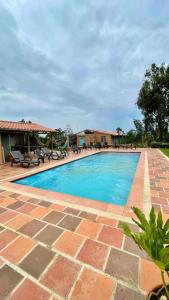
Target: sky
(78, 62)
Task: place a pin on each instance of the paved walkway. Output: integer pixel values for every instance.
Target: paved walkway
(53, 251)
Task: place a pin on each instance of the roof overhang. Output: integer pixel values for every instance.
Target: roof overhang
(21, 127)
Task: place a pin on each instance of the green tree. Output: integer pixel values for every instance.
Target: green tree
(153, 101)
(58, 138)
(130, 136)
(139, 131)
(119, 130)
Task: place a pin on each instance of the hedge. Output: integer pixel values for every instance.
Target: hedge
(159, 145)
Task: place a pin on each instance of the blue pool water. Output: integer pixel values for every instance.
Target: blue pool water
(106, 177)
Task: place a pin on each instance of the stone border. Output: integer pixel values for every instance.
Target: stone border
(147, 199)
(101, 208)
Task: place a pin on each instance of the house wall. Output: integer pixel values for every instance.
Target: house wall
(107, 137)
(94, 138)
(7, 141)
(88, 138)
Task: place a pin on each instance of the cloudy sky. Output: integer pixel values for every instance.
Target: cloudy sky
(78, 62)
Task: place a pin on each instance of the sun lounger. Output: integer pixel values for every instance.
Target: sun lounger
(39, 153)
(17, 157)
(75, 149)
(47, 152)
(57, 155)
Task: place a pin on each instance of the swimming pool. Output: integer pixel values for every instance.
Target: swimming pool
(105, 177)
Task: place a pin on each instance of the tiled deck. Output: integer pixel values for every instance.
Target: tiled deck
(60, 250)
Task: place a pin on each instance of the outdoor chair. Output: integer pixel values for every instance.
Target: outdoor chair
(18, 157)
(39, 153)
(64, 150)
(64, 153)
(47, 153)
(75, 149)
(57, 155)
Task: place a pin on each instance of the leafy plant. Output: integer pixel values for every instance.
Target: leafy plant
(159, 145)
(153, 239)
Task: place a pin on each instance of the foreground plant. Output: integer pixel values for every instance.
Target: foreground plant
(153, 239)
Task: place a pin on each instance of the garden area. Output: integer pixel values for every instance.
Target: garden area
(165, 151)
(153, 102)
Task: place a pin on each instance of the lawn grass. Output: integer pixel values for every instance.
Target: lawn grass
(165, 151)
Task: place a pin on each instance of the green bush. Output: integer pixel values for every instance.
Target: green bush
(153, 239)
(159, 145)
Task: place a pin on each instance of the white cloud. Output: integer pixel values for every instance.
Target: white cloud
(78, 62)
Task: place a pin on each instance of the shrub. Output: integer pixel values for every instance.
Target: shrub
(159, 145)
(153, 239)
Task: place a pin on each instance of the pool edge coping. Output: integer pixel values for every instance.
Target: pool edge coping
(119, 212)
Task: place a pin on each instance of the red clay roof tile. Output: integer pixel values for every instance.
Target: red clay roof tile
(21, 126)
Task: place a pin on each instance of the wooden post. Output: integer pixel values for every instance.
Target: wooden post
(9, 139)
(1, 155)
(51, 141)
(28, 144)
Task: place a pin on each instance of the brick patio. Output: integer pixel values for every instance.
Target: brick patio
(60, 250)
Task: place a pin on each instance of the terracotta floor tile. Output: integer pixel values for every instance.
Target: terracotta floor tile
(165, 209)
(93, 286)
(70, 222)
(28, 290)
(16, 205)
(37, 260)
(149, 275)
(159, 200)
(157, 207)
(165, 217)
(15, 195)
(23, 198)
(123, 265)
(8, 281)
(130, 246)
(49, 234)
(54, 217)
(6, 237)
(125, 293)
(57, 207)
(111, 236)
(32, 227)
(27, 208)
(18, 222)
(68, 243)
(93, 253)
(71, 211)
(89, 216)
(33, 200)
(61, 276)
(2, 210)
(18, 249)
(7, 215)
(44, 203)
(7, 193)
(7, 201)
(107, 221)
(88, 228)
(39, 212)
(133, 227)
